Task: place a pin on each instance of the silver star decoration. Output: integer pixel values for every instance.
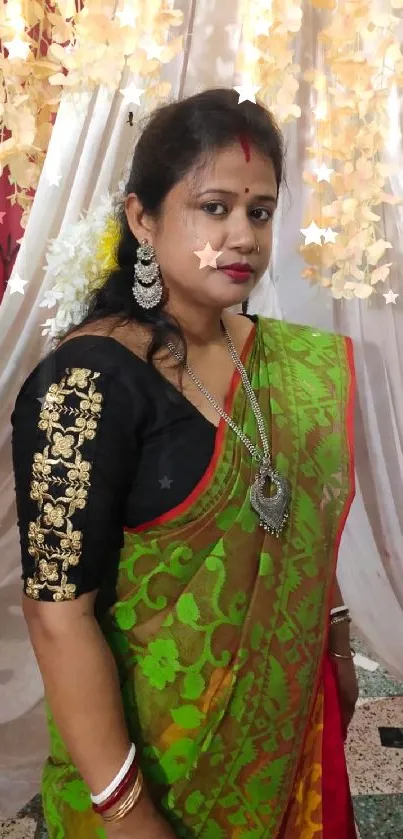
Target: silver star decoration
(127, 17)
(16, 284)
(247, 92)
(391, 297)
(313, 234)
(54, 178)
(17, 48)
(323, 173)
(165, 482)
(132, 94)
(153, 50)
(330, 236)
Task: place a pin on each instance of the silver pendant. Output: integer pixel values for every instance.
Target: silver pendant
(272, 509)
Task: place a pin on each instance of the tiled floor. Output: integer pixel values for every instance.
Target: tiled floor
(376, 772)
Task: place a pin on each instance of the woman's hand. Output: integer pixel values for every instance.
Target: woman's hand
(339, 642)
(144, 822)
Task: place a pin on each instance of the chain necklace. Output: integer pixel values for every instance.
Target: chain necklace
(272, 509)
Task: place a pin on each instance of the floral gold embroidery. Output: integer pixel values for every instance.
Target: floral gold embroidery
(62, 445)
(60, 482)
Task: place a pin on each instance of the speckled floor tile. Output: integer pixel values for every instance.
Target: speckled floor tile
(379, 816)
(378, 683)
(372, 767)
(33, 809)
(18, 828)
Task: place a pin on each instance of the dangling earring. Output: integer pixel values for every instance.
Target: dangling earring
(147, 288)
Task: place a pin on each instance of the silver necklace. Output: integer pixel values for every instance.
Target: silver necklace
(271, 507)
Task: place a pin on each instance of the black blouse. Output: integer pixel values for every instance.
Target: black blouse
(101, 441)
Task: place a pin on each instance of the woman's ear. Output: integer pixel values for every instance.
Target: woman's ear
(139, 222)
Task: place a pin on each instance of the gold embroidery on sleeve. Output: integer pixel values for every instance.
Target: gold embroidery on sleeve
(61, 480)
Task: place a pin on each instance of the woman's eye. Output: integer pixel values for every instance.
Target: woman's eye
(215, 208)
(263, 214)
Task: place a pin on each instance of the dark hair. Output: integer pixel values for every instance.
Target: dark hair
(177, 137)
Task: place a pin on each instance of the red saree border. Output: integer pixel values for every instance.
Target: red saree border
(349, 419)
(337, 808)
(349, 426)
(202, 485)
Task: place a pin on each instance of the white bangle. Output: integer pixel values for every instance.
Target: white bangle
(110, 789)
(337, 610)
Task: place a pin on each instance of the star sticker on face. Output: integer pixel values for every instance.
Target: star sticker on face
(247, 93)
(16, 284)
(391, 297)
(208, 257)
(313, 234)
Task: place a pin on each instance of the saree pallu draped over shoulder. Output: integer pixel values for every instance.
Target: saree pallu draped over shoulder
(220, 629)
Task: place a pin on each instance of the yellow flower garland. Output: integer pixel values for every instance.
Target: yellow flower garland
(105, 256)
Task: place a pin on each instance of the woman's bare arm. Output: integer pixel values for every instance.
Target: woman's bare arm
(82, 689)
(81, 685)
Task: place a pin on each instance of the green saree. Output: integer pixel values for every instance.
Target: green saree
(219, 630)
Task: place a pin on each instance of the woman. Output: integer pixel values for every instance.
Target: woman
(183, 475)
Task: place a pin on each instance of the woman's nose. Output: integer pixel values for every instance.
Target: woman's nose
(241, 234)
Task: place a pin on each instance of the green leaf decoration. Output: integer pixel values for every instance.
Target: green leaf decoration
(160, 664)
(237, 819)
(230, 800)
(212, 830)
(226, 518)
(125, 615)
(308, 609)
(178, 759)
(256, 636)
(266, 565)
(187, 609)
(287, 731)
(278, 686)
(76, 794)
(187, 716)
(193, 803)
(193, 685)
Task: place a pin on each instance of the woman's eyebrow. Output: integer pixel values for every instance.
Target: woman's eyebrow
(263, 197)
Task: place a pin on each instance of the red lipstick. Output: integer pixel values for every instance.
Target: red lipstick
(238, 271)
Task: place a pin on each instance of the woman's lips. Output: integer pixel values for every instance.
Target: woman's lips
(240, 275)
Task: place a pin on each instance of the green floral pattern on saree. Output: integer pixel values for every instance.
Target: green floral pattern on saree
(219, 629)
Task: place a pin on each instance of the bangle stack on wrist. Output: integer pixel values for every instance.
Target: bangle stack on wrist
(125, 790)
(338, 615)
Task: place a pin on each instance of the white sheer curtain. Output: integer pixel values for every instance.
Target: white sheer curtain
(92, 144)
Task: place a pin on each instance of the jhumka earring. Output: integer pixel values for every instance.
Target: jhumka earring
(147, 288)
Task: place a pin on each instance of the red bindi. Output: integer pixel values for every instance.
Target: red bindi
(245, 147)
(247, 189)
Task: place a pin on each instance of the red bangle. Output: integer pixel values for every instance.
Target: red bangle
(125, 783)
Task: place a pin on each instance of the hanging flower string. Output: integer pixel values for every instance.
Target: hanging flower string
(353, 91)
(49, 47)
